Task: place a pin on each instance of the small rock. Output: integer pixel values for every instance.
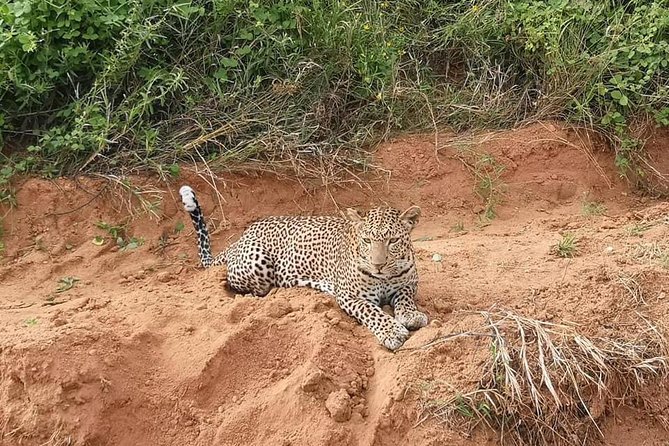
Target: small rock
(339, 405)
(436, 257)
(165, 277)
(332, 314)
(312, 381)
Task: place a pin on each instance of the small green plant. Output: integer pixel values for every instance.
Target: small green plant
(567, 246)
(31, 322)
(179, 227)
(66, 283)
(593, 208)
(132, 243)
(638, 229)
(7, 193)
(489, 187)
(487, 172)
(119, 234)
(462, 407)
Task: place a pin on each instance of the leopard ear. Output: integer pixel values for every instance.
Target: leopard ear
(410, 217)
(354, 215)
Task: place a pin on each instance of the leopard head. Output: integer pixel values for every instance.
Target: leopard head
(383, 240)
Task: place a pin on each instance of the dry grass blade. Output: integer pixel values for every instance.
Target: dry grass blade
(630, 283)
(136, 199)
(548, 384)
(650, 253)
(585, 145)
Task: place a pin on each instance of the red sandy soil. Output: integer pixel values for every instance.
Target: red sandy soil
(147, 348)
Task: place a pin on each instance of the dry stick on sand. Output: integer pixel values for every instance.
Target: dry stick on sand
(546, 384)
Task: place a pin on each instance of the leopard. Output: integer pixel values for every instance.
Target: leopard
(365, 261)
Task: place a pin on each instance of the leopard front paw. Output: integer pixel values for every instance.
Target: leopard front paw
(393, 337)
(412, 320)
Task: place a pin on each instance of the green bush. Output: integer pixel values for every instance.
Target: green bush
(144, 84)
(602, 64)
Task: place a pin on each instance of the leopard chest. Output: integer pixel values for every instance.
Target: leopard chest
(374, 289)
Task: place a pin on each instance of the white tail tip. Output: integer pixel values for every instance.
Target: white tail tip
(188, 198)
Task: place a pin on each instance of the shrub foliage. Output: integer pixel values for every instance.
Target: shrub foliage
(118, 84)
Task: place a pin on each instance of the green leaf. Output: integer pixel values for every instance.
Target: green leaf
(66, 283)
(131, 245)
(245, 35)
(175, 170)
(623, 100)
(616, 94)
(243, 51)
(229, 63)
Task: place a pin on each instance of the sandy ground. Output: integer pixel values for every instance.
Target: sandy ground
(137, 345)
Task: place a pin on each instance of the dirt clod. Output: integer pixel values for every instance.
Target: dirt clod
(339, 405)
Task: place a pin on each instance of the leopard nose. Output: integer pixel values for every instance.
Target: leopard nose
(379, 266)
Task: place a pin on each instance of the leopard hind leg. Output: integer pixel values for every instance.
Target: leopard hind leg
(251, 270)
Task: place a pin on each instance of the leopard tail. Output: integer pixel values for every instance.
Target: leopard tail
(203, 242)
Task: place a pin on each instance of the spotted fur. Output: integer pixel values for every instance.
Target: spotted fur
(363, 261)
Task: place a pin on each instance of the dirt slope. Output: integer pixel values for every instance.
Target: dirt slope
(148, 349)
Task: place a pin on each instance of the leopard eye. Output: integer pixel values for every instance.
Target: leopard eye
(366, 240)
(394, 240)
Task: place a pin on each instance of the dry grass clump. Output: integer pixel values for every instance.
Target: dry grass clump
(651, 253)
(630, 282)
(547, 384)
